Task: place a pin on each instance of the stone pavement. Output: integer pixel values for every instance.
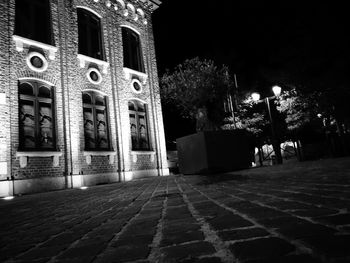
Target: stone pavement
(291, 213)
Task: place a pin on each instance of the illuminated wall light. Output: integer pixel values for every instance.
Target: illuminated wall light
(19, 47)
(115, 7)
(8, 197)
(128, 176)
(52, 56)
(108, 3)
(2, 102)
(126, 13)
(83, 187)
(145, 22)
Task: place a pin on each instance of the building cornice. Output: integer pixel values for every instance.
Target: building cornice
(130, 7)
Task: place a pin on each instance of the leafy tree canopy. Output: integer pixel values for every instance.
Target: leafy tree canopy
(198, 88)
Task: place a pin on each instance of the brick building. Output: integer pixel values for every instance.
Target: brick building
(79, 94)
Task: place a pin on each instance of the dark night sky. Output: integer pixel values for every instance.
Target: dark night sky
(256, 39)
(252, 36)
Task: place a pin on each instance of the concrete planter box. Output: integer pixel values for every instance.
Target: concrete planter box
(214, 151)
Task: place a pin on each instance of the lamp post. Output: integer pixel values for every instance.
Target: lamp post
(275, 142)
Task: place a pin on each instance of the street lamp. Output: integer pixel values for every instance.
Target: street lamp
(275, 143)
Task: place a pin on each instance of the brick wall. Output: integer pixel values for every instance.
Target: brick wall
(4, 92)
(69, 80)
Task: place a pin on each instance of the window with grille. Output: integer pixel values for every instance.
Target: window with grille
(36, 116)
(33, 20)
(90, 38)
(138, 126)
(96, 131)
(132, 50)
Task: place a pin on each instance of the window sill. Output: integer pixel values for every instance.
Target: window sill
(86, 59)
(23, 156)
(130, 73)
(110, 155)
(136, 153)
(20, 41)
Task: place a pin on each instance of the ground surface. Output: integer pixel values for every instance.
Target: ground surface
(297, 212)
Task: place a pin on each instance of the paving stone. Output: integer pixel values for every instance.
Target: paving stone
(261, 249)
(304, 258)
(227, 221)
(154, 204)
(205, 204)
(315, 212)
(331, 245)
(181, 252)
(65, 226)
(181, 237)
(242, 233)
(175, 201)
(86, 252)
(298, 231)
(262, 212)
(242, 205)
(196, 198)
(42, 253)
(180, 226)
(177, 213)
(289, 205)
(62, 239)
(125, 254)
(202, 260)
(249, 196)
(129, 241)
(281, 222)
(342, 219)
(210, 210)
(147, 228)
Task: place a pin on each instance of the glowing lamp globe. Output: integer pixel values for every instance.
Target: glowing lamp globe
(276, 90)
(255, 96)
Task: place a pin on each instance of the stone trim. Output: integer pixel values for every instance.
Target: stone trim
(31, 66)
(20, 41)
(129, 73)
(136, 153)
(23, 156)
(83, 60)
(110, 155)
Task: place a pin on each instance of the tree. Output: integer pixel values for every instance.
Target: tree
(315, 115)
(299, 110)
(198, 88)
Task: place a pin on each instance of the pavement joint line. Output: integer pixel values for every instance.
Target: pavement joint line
(300, 247)
(53, 259)
(155, 254)
(295, 215)
(298, 192)
(108, 248)
(294, 200)
(323, 196)
(211, 236)
(312, 188)
(302, 217)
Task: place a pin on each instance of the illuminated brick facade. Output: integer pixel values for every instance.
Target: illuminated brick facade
(44, 116)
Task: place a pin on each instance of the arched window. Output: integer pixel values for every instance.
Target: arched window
(90, 38)
(132, 50)
(36, 116)
(96, 131)
(138, 126)
(33, 20)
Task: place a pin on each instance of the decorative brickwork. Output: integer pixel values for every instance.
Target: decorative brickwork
(67, 73)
